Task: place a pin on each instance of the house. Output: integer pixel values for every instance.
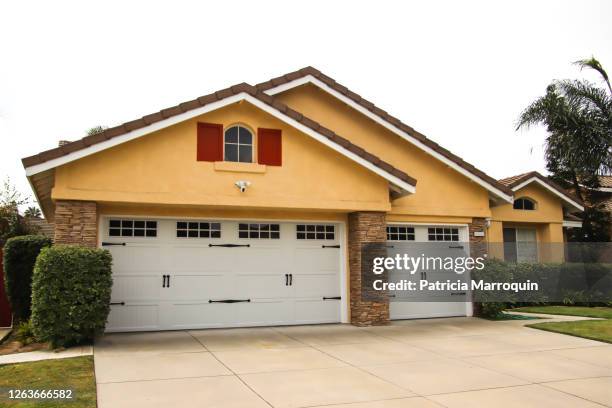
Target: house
(249, 206)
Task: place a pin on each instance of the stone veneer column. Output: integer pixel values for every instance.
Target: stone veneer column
(364, 227)
(478, 248)
(76, 223)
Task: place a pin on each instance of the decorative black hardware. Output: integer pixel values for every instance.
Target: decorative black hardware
(168, 281)
(290, 279)
(330, 246)
(458, 293)
(390, 246)
(286, 279)
(455, 246)
(113, 244)
(118, 303)
(229, 301)
(229, 245)
(332, 298)
(164, 281)
(391, 295)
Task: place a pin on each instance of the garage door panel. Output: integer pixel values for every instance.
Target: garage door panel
(202, 259)
(133, 317)
(316, 285)
(252, 269)
(316, 310)
(133, 259)
(136, 287)
(261, 286)
(316, 260)
(261, 312)
(199, 287)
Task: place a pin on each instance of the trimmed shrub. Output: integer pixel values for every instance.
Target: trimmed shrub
(71, 291)
(19, 257)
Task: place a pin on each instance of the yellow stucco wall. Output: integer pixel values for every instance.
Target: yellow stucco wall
(161, 168)
(441, 191)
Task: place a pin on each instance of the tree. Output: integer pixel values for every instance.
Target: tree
(32, 212)
(11, 223)
(96, 129)
(578, 117)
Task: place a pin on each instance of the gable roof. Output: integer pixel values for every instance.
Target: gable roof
(166, 117)
(521, 180)
(316, 77)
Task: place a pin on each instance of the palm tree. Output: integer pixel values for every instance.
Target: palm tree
(32, 212)
(578, 117)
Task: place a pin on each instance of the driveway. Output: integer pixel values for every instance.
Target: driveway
(454, 362)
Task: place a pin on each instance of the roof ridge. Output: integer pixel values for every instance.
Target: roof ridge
(183, 107)
(309, 70)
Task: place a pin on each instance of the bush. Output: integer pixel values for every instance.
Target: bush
(19, 257)
(71, 291)
(25, 334)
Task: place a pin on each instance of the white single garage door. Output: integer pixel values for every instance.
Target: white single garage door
(173, 274)
(429, 241)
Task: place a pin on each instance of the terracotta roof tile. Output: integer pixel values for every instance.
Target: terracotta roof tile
(514, 181)
(385, 116)
(201, 101)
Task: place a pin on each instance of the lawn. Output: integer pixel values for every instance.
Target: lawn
(60, 374)
(597, 312)
(600, 330)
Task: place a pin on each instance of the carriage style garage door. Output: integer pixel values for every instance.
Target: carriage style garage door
(431, 241)
(180, 273)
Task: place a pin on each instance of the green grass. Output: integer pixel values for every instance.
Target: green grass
(68, 373)
(600, 330)
(597, 312)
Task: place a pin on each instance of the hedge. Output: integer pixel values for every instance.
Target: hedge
(71, 291)
(19, 257)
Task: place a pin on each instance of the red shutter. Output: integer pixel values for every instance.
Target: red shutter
(210, 142)
(269, 147)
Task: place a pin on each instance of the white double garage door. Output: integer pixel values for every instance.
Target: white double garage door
(171, 274)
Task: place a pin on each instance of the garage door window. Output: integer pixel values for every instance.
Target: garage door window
(315, 231)
(443, 234)
(259, 231)
(132, 228)
(193, 229)
(400, 233)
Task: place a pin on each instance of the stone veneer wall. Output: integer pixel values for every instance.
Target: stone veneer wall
(76, 223)
(364, 227)
(478, 247)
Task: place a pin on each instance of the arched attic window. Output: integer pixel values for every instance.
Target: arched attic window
(238, 144)
(524, 203)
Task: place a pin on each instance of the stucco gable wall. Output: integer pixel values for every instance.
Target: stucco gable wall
(548, 207)
(441, 191)
(161, 168)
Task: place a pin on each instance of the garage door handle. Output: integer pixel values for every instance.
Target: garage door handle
(330, 246)
(113, 244)
(229, 301)
(456, 246)
(118, 303)
(332, 298)
(229, 245)
(458, 293)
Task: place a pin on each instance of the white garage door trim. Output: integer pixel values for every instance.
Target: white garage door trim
(464, 237)
(341, 239)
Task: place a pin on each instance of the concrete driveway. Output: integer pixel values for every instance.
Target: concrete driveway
(454, 362)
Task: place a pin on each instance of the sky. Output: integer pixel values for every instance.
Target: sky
(460, 72)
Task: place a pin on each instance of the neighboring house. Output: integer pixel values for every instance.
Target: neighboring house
(249, 206)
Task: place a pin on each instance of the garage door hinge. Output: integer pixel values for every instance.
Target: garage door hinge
(456, 246)
(332, 298)
(330, 246)
(458, 293)
(118, 303)
(229, 245)
(229, 301)
(113, 244)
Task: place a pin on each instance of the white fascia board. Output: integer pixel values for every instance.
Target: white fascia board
(572, 224)
(311, 79)
(552, 190)
(38, 168)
